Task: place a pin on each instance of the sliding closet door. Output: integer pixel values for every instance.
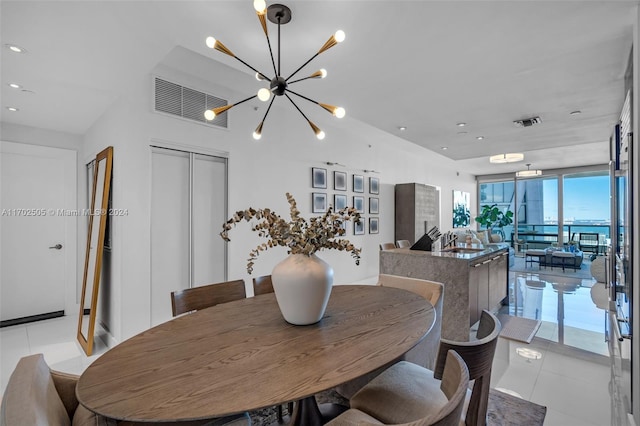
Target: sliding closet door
(188, 207)
(209, 213)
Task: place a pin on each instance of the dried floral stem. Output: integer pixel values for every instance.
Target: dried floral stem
(298, 235)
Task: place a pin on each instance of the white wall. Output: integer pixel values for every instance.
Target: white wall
(259, 175)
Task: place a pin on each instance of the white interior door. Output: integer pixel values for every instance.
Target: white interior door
(38, 228)
(188, 207)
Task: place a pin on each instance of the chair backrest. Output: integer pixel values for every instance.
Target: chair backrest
(455, 381)
(478, 355)
(387, 246)
(262, 285)
(425, 352)
(403, 243)
(32, 397)
(196, 298)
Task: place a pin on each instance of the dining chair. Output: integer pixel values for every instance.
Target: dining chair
(445, 397)
(425, 352)
(408, 385)
(387, 246)
(403, 244)
(196, 298)
(262, 285)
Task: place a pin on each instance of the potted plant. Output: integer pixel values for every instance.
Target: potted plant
(491, 217)
(302, 282)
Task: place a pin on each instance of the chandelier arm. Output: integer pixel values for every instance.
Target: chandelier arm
(268, 109)
(263, 23)
(303, 97)
(244, 100)
(246, 64)
(298, 108)
(300, 79)
(271, 54)
(302, 66)
(278, 74)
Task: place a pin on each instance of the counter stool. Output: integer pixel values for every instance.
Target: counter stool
(562, 257)
(530, 254)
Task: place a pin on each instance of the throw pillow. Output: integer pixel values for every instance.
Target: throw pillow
(483, 236)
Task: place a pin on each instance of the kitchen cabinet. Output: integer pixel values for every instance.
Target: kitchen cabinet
(487, 285)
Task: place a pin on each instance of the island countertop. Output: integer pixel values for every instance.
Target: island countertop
(474, 278)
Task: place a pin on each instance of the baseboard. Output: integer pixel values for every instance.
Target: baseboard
(31, 318)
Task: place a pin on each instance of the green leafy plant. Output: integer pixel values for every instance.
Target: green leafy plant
(492, 217)
(461, 216)
(298, 235)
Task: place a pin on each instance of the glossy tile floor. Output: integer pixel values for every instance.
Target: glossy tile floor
(571, 377)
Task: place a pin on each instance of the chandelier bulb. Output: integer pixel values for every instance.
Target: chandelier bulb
(260, 6)
(323, 73)
(339, 112)
(339, 36)
(320, 135)
(260, 76)
(211, 42)
(209, 114)
(257, 134)
(264, 94)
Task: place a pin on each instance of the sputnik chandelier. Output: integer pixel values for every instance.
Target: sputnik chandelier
(279, 85)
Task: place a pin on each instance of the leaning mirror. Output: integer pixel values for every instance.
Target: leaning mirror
(95, 246)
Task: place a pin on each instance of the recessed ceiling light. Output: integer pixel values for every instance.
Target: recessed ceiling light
(462, 133)
(461, 124)
(444, 148)
(13, 109)
(575, 112)
(402, 128)
(479, 137)
(14, 85)
(15, 48)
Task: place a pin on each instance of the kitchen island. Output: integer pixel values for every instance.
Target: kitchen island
(475, 277)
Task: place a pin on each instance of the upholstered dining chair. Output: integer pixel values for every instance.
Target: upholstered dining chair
(37, 395)
(196, 298)
(446, 396)
(387, 246)
(409, 385)
(403, 244)
(424, 353)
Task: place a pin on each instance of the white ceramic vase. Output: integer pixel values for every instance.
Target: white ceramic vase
(302, 285)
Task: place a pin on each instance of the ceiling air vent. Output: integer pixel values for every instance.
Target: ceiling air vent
(174, 99)
(528, 122)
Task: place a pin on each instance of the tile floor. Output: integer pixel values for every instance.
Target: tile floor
(571, 377)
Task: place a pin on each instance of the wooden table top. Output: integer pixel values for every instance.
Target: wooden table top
(242, 356)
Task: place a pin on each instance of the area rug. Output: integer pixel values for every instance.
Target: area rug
(503, 410)
(584, 273)
(518, 328)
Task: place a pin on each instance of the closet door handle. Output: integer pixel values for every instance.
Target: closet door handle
(56, 247)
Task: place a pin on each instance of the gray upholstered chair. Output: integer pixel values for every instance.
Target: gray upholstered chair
(424, 353)
(38, 396)
(445, 396)
(414, 388)
(403, 244)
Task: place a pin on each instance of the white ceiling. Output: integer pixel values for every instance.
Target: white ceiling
(426, 65)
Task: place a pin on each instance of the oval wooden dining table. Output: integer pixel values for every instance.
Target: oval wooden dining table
(243, 355)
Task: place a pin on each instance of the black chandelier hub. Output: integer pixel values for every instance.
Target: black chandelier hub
(278, 86)
(279, 14)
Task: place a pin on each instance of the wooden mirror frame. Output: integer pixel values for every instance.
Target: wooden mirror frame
(99, 210)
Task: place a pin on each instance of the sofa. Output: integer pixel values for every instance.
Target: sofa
(38, 396)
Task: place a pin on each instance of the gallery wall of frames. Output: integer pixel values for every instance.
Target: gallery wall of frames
(340, 189)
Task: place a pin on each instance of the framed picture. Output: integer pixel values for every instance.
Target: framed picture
(373, 205)
(358, 203)
(319, 202)
(339, 202)
(339, 181)
(373, 225)
(318, 177)
(358, 227)
(374, 185)
(358, 183)
(461, 206)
